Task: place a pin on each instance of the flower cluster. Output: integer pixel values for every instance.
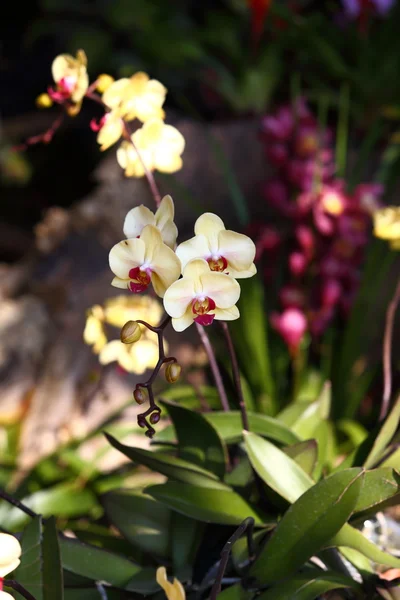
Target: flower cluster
(134, 357)
(10, 553)
(150, 145)
(325, 227)
(210, 263)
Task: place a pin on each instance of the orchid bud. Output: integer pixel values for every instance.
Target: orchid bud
(140, 395)
(172, 372)
(130, 333)
(44, 101)
(103, 82)
(10, 552)
(154, 418)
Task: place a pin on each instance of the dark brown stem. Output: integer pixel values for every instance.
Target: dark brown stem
(18, 588)
(205, 340)
(247, 526)
(387, 352)
(236, 375)
(44, 137)
(154, 411)
(17, 504)
(149, 175)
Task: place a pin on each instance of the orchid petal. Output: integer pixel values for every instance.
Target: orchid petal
(136, 220)
(126, 255)
(242, 274)
(195, 269)
(111, 352)
(179, 296)
(209, 225)
(169, 234)
(144, 355)
(113, 94)
(196, 247)
(111, 131)
(238, 249)
(166, 268)
(165, 212)
(227, 314)
(122, 284)
(224, 290)
(182, 323)
(151, 237)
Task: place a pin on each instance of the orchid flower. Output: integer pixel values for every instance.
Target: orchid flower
(387, 225)
(138, 97)
(140, 216)
(225, 251)
(173, 591)
(140, 261)
(201, 296)
(10, 553)
(71, 78)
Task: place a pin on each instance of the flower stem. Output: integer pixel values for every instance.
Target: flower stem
(387, 351)
(205, 340)
(149, 175)
(19, 588)
(236, 375)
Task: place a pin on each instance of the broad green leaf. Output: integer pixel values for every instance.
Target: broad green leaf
(52, 573)
(211, 505)
(29, 572)
(172, 467)
(65, 500)
(393, 460)
(235, 592)
(229, 426)
(325, 437)
(303, 418)
(198, 440)
(92, 593)
(101, 565)
(187, 396)
(308, 586)
(141, 520)
(308, 525)
(353, 538)
(379, 485)
(186, 534)
(276, 469)
(384, 436)
(305, 454)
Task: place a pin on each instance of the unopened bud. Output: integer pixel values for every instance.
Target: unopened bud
(172, 372)
(130, 333)
(141, 421)
(140, 395)
(103, 82)
(154, 418)
(44, 101)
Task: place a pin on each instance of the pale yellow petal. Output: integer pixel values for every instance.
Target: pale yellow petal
(226, 314)
(238, 249)
(138, 83)
(145, 110)
(128, 159)
(10, 552)
(151, 237)
(150, 133)
(169, 233)
(179, 296)
(144, 355)
(166, 161)
(166, 268)
(111, 352)
(165, 212)
(82, 85)
(93, 334)
(182, 323)
(224, 290)
(115, 92)
(61, 65)
(119, 283)
(242, 274)
(136, 219)
(387, 223)
(111, 131)
(210, 225)
(5, 596)
(196, 247)
(195, 269)
(126, 255)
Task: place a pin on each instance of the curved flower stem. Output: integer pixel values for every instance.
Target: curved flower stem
(387, 351)
(236, 375)
(19, 588)
(17, 504)
(205, 340)
(149, 175)
(154, 411)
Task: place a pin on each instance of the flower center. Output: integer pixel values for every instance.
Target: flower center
(217, 263)
(63, 89)
(139, 279)
(202, 307)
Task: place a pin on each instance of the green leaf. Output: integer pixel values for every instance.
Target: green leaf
(186, 534)
(308, 586)
(52, 573)
(29, 572)
(235, 592)
(176, 468)
(308, 525)
(229, 426)
(101, 565)
(384, 436)
(276, 469)
(141, 520)
(353, 538)
(379, 485)
(187, 396)
(198, 440)
(393, 460)
(304, 417)
(211, 505)
(305, 454)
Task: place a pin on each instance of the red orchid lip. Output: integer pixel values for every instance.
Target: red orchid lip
(204, 319)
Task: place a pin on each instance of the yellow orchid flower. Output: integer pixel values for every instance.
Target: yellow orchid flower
(387, 225)
(117, 311)
(173, 591)
(94, 334)
(160, 147)
(138, 97)
(140, 261)
(202, 296)
(225, 251)
(72, 80)
(10, 553)
(134, 358)
(110, 128)
(163, 219)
